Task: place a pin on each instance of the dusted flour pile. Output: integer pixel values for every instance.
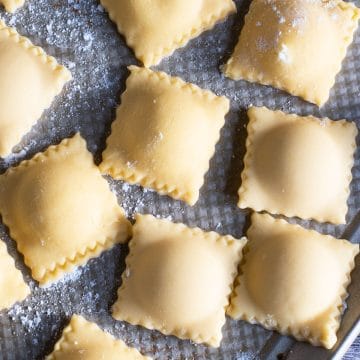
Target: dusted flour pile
(81, 36)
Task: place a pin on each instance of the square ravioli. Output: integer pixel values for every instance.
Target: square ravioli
(156, 29)
(298, 166)
(29, 81)
(60, 210)
(293, 280)
(12, 5)
(296, 46)
(82, 339)
(178, 280)
(11, 279)
(164, 134)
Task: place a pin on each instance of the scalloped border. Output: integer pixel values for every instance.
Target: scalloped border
(184, 334)
(133, 177)
(88, 326)
(25, 43)
(80, 256)
(63, 75)
(23, 290)
(12, 5)
(154, 58)
(242, 192)
(298, 333)
(303, 93)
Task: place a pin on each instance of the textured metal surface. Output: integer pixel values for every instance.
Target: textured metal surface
(80, 35)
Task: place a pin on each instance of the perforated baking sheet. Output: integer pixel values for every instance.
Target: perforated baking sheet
(81, 36)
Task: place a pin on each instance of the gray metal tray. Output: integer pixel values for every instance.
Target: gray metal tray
(81, 36)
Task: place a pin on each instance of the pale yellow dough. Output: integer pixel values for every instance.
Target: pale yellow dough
(164, 134)
(12, 5)
(293, 280)
(13, 287)
(84, 340)
(178, 280)
(297, 46)
(155, 29)
(298, 166)
(60, 210)
(29, 81)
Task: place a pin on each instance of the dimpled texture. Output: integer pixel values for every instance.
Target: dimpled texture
(90, 41)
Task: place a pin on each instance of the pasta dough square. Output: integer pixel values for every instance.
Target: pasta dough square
(298, 166)
(164, 134)
(11, 279)
(293, 280)
(178, 280)
(60, 210)
(82, 339)
(29, 81)
(12, 5)
(156, 29)
(296, 46)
